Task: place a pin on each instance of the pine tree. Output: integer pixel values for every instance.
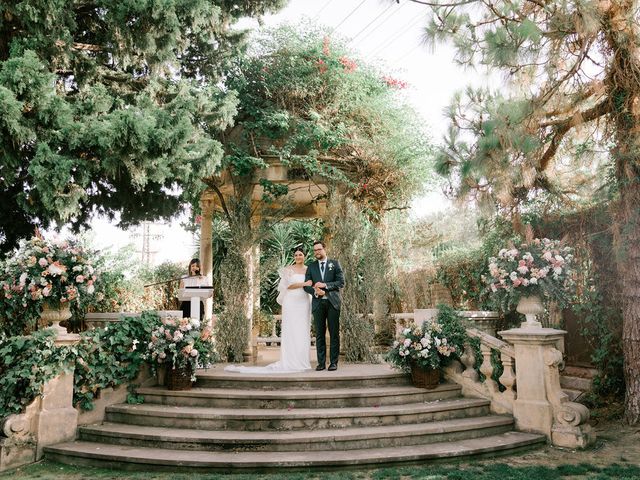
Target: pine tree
(572, 70)
(111, 107)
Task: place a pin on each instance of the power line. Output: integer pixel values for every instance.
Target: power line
(406, 54)
(322, 9)
(369, 24)
(350, 13)
(397, 34)
(381, 23)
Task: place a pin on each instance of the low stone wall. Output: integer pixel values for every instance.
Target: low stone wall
(112, 396)
(102, 319)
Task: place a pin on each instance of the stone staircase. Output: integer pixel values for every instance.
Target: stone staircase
(361, 415)
(576, 381)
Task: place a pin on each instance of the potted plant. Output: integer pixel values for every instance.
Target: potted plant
(422, 350)
(523, 276)
(181, 345)
(44, 278)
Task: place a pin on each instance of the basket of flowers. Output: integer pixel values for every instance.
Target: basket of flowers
(182, 346)
(422, 350)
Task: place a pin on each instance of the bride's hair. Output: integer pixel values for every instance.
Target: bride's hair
(298, 248)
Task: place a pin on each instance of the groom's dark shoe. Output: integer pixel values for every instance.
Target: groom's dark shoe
(333, 367)
(321, 367)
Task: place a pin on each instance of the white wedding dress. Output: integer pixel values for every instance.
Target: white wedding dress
(295, 333)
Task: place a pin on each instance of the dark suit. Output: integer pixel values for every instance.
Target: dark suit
(326, 310)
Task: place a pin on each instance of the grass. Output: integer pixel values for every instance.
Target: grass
(499, 471)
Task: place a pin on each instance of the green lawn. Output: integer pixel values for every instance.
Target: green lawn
(501, 471)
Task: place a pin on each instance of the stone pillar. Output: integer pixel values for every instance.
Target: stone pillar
(533, 410)
(253, 300)
(57, 420)
(206, 248)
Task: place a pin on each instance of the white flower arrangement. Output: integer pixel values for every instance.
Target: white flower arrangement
(427, 346)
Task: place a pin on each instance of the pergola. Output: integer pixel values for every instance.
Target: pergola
(306, 198)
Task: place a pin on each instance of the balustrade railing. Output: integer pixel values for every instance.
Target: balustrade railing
(528, 386)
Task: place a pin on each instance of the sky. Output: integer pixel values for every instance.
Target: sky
(381, 31)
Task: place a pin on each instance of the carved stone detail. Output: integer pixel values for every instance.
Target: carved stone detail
(468, 359)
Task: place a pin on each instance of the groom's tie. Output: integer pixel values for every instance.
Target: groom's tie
(322, 270)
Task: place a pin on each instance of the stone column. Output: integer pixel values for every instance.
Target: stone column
(206, 248)
(57, 420)
(533, 410)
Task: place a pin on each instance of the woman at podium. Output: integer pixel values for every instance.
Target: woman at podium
(194, 279)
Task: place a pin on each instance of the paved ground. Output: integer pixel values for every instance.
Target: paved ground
(267, 355)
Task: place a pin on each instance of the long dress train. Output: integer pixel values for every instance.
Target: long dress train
(295, 333)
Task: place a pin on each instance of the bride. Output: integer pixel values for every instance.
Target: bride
(296, 322)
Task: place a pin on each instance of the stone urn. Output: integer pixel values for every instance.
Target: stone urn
(55, 314)
(530, 306)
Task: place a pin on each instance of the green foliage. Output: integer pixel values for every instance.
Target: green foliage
(26, 364)
(461, 269)
(111, 106)
(354, 238)
(232, 327)
(111, 356)
(305, 100)
(276, 251)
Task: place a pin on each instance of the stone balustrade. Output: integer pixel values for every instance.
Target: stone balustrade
(529, 385)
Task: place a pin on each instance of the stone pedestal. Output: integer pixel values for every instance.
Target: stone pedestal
(57, 420)
(533, 411)
(485, 321)
(541, 406)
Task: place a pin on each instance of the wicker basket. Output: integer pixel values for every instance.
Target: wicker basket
(178, 378)
(425, 377)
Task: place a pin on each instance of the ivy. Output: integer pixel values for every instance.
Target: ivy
(111, 356)
(103, 358)
(26, 364)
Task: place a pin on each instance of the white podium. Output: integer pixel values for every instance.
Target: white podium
(194, 295)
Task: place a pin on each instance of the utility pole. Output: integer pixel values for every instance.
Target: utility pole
(146, 253)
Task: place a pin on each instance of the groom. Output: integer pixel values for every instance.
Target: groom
(327, 280)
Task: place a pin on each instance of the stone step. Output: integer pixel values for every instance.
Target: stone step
(307, 440)
(576, 383)
(335, 397)
(203, 418)
(348, 377)
(574, 395)
(143, 458)
(579, 371)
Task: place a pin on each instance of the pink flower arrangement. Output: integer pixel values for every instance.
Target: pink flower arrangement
(180, 343)
(541, 267)
(52, 271)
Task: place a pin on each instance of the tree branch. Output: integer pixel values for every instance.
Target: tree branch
(567, 124)
(211, 184)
